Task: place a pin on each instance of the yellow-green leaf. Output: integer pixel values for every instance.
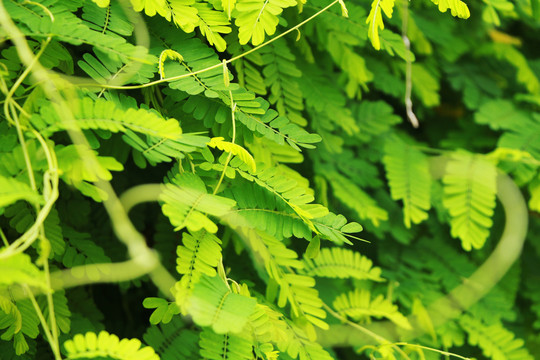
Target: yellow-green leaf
(102, 3)
(375, 22)
(256, 18)
(243, 154)
(457, 7)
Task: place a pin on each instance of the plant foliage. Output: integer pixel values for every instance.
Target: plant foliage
(242, 179)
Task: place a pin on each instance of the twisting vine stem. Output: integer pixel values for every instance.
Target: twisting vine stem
(471, 290)
(408, 66)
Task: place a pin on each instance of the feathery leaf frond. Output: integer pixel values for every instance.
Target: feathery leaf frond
(229, 346)
(234, 149)
(12, 190)
(375, 22)
(457, 7)
(408, 175)
(360, 305)
(257, 18)
(104, 344)
(469, 196)
(495, 341)
(186, 202)
(107, 115)
(212, 303)
(341, 263)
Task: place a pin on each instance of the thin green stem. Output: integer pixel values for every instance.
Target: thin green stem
(229, 156)
(442, 352)
(50, 304)
(364, 330)
(54, 345)
(4, 239)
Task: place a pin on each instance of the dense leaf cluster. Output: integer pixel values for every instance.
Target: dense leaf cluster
(186, 179)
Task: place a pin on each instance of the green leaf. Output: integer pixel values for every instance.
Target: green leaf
(375, 22)
(76, 170)
(228, 6)
(164, 310)
(215, 346)
(92, 345)
(151, 7)
(495, 340)
(107, 115)
(212, 24)
(359, 305)
(407, 170)
(12, 190)
(457, 7)
(19, 269)
(374, 118)
(257, 18)
(342, 263)
(186, 201)
(355, 198)
(184, 14)
(212, 303)
(234, 149)
(500, 114)
(313, 248)
(102, 3)
(469, 187)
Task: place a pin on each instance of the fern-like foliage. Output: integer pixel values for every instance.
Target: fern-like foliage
(286, 194)
(281, 77)
(285, 284)
(107, 115)
(53, 233)
(325, 102)
(215, 105)
(67, 27)
(213, 303)
(375, 22)
(20, 269)
(257, 18)
(408, 175)
(82, 250)
(107, 18)
(355, 198)
(245, 197)
(164, 312)
(469, 196)
(457, 7)
(80, 173)
(62, 313)
(104, 69)
(234, 149)
(259, 209)
(200, 254)
(186, 201)
(154, 150)
(213, 24)
(341, 263)
(495, 341)
(11, 322)
(267, 327)
(215, 346)
(14, 190)
(360, 306)
(172, 341)
(92, 345)
(270, 327)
